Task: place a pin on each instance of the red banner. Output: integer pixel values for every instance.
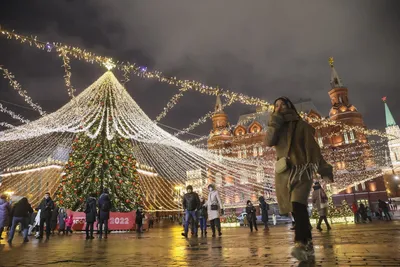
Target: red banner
(117, 221)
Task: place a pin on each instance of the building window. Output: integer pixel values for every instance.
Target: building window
(352, 138)
(244, 178)
(260, 151)
(346, 138)
(218, 179)
(363, 186)
(244, 152)
(255, 152)
(356, 187)
(320, 139)
(240, 154)
(260, 174)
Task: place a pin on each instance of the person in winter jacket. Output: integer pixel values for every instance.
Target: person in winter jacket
(54, 217)
(363, 213)
(320, 202)
(299, 158)
(32, 222)
(62, 216)
(46, 208)
(105, 206)
(264, 207)
(5, 210)
(203, 216)
(369, 214)
(69, 222)
(191, 203)
(354, 208)
(385, 209)
(214, 209)
(20, 214)
(91, 214)
(139, 220)
(251, 216)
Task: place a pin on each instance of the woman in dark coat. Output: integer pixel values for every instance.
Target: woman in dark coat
(91, 214)
(264, 207)
(5, 210)
(298, 160)
(251, 215)
(139, 220)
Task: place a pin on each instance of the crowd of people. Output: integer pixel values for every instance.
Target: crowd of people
(47, 217)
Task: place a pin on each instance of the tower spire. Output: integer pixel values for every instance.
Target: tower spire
(336, 82)
(218, 105)
(389, 117)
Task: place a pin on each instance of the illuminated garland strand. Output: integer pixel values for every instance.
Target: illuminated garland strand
(11, 80)
(171, 103)
(89, 57)
(13, 114)
(67, 69)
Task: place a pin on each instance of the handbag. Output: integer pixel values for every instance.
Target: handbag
(283, 164)
(322, 204)
(214, 206)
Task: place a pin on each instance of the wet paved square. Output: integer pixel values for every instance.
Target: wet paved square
(376, 244)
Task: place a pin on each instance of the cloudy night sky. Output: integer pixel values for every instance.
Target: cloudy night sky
(256, 47)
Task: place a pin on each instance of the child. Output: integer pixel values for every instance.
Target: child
(69, 222)
(251, 216)
(203, 216)
(62, 216)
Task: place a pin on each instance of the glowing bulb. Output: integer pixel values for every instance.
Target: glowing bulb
(109, 64)
(396, 177)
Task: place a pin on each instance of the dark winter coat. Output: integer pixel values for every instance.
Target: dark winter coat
(139, 217)
(251, 213)
(264, 207)
(203, 210)
(191, 201)
(5, 211)
(46, 207)
(61, 219)
(104, 215)
(22, 209)
(294, 185)
(54, 214)
(91, 210)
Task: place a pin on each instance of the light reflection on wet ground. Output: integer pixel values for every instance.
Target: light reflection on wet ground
(376, 244)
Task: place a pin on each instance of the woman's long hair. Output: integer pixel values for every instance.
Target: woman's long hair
(288, 103)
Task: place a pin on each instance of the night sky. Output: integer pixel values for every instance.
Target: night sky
(264, 49)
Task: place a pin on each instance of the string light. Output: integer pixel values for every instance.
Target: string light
(11, 80)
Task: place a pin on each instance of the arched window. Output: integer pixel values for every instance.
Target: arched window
(255, 151)
(239, 154)
(218, 179)
(260, 151)
(260, 174)
(352, 137)
(244, 151)
(346, 137)
(320, 139)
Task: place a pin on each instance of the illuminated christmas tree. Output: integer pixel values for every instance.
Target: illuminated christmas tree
(345, 210)
(98, 161)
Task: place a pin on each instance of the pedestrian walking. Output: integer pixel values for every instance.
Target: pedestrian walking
(62, 216)
(299, 158)
(214, 209)
(5, 210)
(190, 203)
(354, 208)
(385, 209)
(251, 216)
(20, 214)
(69, 222)
(46, 208)
(32, 222)
(139, 220)
(203, 216)
(264, 207)
(320, 203)
(105, 206)
(369, 214)
(54, 217)
(91, 214)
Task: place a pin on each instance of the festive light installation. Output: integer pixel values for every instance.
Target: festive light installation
(140, 71)
(11, 80)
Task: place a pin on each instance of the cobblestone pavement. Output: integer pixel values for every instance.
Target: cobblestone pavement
(376, 244)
